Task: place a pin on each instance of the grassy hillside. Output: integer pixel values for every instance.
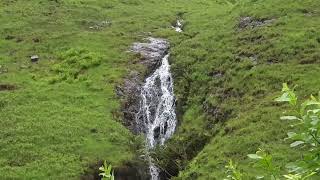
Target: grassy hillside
(58, 119)
(61, 114)
(228, 74)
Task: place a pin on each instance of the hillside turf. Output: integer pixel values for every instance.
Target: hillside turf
(61, 114)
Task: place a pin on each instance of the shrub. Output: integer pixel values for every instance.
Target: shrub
(306, 116)
(74, 62)
(107, 171)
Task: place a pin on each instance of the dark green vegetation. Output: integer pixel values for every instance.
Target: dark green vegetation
(305, 116)
(61, 114)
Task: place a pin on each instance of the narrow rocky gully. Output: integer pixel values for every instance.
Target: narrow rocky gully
(150, 101)
(156, 117)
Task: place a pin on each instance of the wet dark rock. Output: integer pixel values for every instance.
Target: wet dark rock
(156, 132)
(151, 52)
(165, 126)
(132, 171)
(129, 92)
(92, 172)
(127, 171)
(34, 58)
(251, 22)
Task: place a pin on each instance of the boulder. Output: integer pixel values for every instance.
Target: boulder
(251, 22)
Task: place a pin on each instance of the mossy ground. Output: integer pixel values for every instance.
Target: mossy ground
(63, 113)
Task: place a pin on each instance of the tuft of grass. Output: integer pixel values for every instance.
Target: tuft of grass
(74, 62)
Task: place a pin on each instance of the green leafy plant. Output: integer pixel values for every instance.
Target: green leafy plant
(233, 172)
(73, 63)
(107, 171)
(264, 161)
(306, 117)
(288, 95)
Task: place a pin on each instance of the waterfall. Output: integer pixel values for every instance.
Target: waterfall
(158, 109)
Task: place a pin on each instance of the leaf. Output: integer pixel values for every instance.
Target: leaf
(292, 167)
(283, 98)
(291, 134)
(296, 143)
(259, 177)
(310, 103)
(314, 111)
(292, 176)
(309, 175)
(285, 87)
(312, 97)
(289, 118)
(314, 121)
(254, 156)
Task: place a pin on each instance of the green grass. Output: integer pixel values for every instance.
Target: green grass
(63, 115)
(55, 130)
(234, 114)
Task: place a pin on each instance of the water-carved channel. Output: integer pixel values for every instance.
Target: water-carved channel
(156, 116)
(158, 109)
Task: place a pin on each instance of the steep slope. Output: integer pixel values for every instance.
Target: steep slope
(228, 74)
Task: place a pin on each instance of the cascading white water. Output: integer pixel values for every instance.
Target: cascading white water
(178, 26)
(158, 109)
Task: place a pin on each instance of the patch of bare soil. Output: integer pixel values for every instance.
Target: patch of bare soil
(7, 87)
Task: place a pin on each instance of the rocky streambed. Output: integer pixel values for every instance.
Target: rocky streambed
(148, 101)
(151, 53)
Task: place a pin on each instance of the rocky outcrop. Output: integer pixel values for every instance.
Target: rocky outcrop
(151, 52)
(251, 22)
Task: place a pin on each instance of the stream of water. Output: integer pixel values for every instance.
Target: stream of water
(158, 109)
